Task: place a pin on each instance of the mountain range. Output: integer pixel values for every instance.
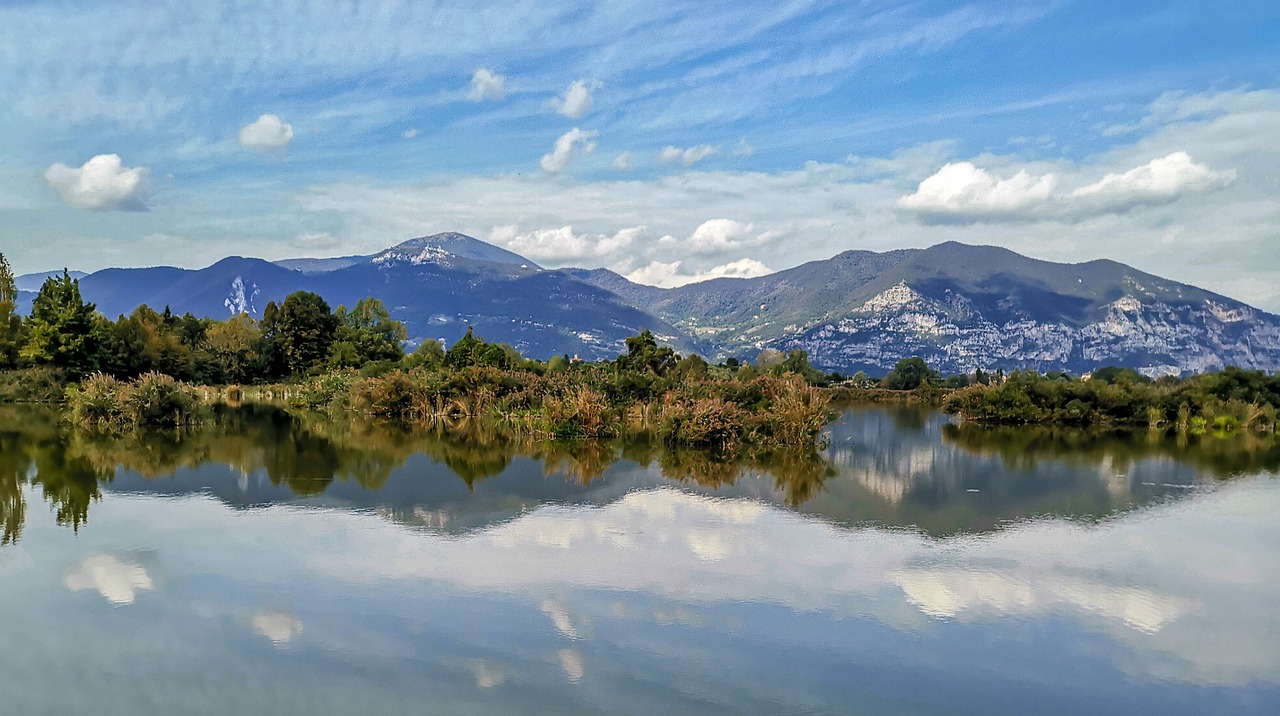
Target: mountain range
(960, 307)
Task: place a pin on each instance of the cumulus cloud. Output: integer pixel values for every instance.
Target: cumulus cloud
(689, 156)
(743, 149)
(964, 193)
(576, 100)
(486, 84)
(712, 236)
(561, 243)
(624, 162)
(410, 133)
(818, 209)
(102, 184)
(1156, 182)
(718, 235)
(267, 133)
(558, 159)
(669, 274)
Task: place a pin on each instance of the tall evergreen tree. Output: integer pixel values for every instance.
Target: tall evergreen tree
(10, 322)
(63, 330)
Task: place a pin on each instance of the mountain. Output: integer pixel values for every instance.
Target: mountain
(959, 307)
(32, 282)
(310, 266)
(437, 285)
(963, 307)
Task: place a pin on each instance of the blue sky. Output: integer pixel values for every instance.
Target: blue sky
(695, 139)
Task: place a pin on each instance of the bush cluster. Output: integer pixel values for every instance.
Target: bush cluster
(601, 400)
(102, 402)
(1230, 400)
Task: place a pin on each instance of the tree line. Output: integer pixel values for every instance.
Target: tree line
(300, 335)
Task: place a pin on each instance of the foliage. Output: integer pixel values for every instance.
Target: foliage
(10, 321)
(366, 334)
(1227, 401)
(40, 384)
(645, 355)
(471, 351)
(102, 402)
(63, 331)
(910, 374)
(299, 332)
(428, 354)
(234, 349)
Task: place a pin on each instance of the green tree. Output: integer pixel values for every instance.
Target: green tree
(10, 322)
(644, 354)
(366, 334)
(797, 361)
(63, 331)
(147, 341)
(234, 348)
(471, 350)
(909, 374)
(428, 354)
(300, 332)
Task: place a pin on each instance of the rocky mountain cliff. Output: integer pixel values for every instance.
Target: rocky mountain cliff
(965, 307)
(960, 307)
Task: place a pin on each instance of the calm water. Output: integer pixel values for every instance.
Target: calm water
(298, 566)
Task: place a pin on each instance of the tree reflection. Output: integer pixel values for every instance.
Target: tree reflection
(13, 477)
(900, 473)
(1242, 452)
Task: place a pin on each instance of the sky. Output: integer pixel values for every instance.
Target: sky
(668, 141)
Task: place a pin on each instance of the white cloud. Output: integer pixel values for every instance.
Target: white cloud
(690, 156)
(624, 162)
(669, 275)
(965, 192)
(658, 273)
(576, 100)
(818, 210)
(561, 243)
(743, 149)
(711, 236)
(486, 84)
(559, 157)
(742, 268)
(267, 133)
(410, 133)
(116, 580)
(1158, 181)
(102, 184)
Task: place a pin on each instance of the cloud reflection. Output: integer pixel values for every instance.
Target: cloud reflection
(279, 626)
(116, 580)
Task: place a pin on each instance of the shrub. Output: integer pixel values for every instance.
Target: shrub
(97, 402)
(709, 422)
(156, 399)
(152, 400)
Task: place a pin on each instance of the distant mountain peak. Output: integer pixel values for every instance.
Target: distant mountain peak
(444, 248)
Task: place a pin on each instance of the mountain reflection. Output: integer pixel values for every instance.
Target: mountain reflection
(899, 467)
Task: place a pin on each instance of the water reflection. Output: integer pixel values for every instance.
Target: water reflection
(216, 574)
(898, 467)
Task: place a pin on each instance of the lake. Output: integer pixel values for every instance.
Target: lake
(277, 564)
